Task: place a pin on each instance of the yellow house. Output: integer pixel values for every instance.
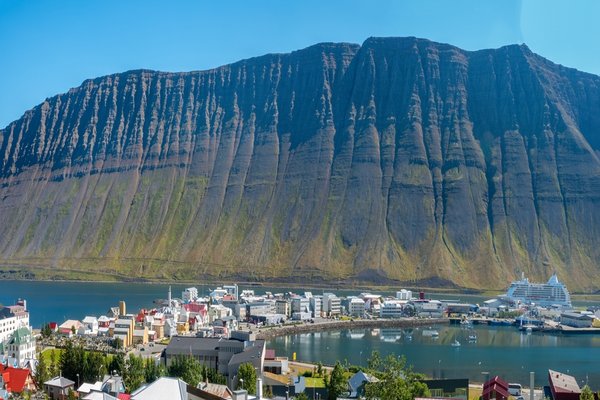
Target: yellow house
(140, 336)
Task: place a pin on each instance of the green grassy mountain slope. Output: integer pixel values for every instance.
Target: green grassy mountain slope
(400, 159)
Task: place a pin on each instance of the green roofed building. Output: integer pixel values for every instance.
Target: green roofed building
(21, 346)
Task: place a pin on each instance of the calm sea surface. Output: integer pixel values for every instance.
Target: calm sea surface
(502, 351)
(499, 350)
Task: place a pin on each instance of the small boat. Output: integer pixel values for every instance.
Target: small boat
(456, 343)
(472, 337)
(431, 332)
(529, 328)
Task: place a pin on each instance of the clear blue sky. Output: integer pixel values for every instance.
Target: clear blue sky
(47, 47)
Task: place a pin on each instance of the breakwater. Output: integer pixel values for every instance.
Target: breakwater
(338, 325)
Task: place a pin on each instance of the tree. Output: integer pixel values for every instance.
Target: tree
(247, 378)
(117, 364)
(42, 373)
(134, 374)
(319, 369)
(71, 361)
(301, 396)
(117, 343)
(337, 382)
(153, 370)
(212, 375)
(94, 366)
(396, 382)
(267, 391)
(54, 364)
(188, 369)
(374, 361)
(586, 393)
(46, 331)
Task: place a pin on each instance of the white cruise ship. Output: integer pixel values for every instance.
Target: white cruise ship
(553, 293)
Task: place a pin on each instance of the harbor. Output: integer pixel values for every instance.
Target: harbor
(443, 338)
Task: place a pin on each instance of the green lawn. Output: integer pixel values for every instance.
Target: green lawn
(47, 355)
(315, 383)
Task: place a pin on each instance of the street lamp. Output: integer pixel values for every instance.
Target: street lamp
(77, 380)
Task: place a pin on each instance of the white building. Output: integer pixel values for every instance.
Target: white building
(218, 311)
(576, 320)
(89, 326)
(21, 346)
(190, 294)
(404, 294)
(300, 305)
(428, 308)
(392, 309)
(316, 305)
(282, 307)
(11, 319)
(332, 304)
(170, 328)
(356, 307)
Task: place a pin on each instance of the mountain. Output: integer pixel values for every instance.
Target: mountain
(401, 160)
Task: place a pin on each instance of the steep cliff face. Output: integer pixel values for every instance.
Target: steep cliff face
(401, 158)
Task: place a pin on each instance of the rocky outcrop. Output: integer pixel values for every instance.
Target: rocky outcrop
(400, 159)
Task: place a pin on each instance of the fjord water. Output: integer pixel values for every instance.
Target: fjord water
(499, 350)
(502, 351)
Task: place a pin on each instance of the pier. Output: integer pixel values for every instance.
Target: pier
(336, 325)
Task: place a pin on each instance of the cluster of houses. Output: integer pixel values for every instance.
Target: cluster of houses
(220, 312)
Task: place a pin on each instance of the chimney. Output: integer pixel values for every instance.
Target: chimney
(259, 393)
(239, 395)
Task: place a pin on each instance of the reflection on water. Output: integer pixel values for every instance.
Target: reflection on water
(500, 351)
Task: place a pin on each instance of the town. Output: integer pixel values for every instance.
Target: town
(226, 334)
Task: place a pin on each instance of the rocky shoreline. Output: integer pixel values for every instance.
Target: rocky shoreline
(336, 325)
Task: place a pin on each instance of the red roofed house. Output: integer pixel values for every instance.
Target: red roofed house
(17, 380)
(563, 387)
(495, 388)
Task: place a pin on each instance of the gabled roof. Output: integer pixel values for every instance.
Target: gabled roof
(89, 387)
(562, 383)
(15, 378)
(69, 324)
(60, 381)
(359, 378)
(161, 389)
(495, 385)
(216, 390)
(95, 395)
(20, 336)
(249, 354)
(496, 380)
